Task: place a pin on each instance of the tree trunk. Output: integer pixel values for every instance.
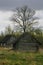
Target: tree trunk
(24, 30)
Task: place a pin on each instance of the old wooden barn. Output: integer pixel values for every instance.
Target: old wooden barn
(26, 42)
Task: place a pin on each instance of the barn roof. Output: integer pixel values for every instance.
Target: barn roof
(6, 38)
(27, 38)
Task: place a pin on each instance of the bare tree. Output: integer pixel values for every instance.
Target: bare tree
(25, 18)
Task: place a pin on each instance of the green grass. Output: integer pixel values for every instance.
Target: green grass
(10, 57)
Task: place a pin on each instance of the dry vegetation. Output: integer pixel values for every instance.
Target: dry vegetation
(10, 57)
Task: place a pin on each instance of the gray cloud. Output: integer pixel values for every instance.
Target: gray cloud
(11, 4)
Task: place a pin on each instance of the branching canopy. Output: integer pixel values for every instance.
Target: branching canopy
(25, 18)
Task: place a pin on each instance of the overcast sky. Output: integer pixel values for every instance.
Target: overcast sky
(11, 4)
(7, 5)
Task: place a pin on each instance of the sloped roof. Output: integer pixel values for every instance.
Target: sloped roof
(27, 38)
(6, 38)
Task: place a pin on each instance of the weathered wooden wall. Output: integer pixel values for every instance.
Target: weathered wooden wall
(27, 46)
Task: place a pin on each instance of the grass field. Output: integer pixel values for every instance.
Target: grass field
(10, 57)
